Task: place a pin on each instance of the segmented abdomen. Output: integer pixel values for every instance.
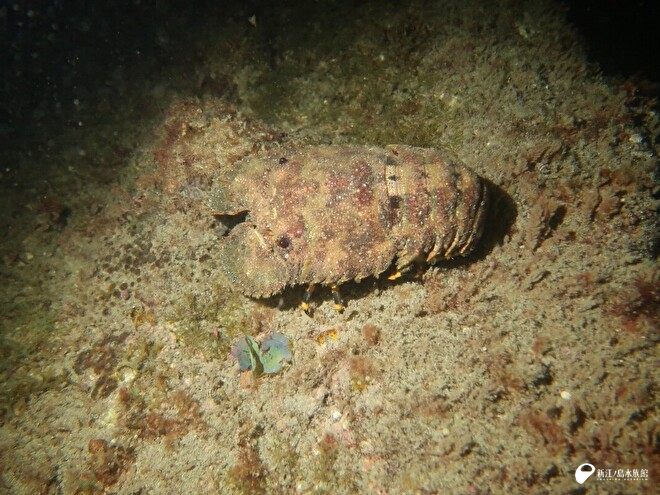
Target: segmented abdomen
(437, 205)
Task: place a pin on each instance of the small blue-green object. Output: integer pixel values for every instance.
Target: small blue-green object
(274, 350)
(246, 352)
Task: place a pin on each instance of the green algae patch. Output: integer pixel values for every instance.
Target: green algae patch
(209, 323)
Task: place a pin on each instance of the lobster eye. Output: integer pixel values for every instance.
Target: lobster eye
(284, 241)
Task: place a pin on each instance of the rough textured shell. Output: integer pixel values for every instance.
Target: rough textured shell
(328, 214)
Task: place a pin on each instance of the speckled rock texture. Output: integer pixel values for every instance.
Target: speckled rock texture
(499, 372)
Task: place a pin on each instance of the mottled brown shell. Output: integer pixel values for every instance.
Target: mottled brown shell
(328, 214)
